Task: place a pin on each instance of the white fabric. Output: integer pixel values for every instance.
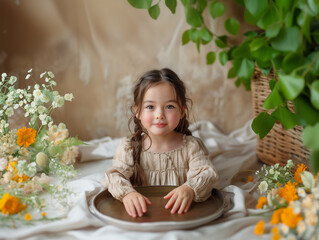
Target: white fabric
(233, 153)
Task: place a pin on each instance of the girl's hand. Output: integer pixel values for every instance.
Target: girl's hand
(181, 197)
(135, 204)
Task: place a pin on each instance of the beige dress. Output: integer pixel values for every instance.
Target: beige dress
(188, 165)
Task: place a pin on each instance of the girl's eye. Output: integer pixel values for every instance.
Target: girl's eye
(170, 106)
(149, 107)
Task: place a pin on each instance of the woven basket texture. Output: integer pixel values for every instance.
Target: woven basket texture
(279, 145)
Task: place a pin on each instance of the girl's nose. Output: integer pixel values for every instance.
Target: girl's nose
(160, 115)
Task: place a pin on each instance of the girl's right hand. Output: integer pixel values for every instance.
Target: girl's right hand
(136, 204)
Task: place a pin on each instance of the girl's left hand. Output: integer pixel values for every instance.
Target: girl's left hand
(181, 197)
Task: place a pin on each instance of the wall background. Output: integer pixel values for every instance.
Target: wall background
(98, 48)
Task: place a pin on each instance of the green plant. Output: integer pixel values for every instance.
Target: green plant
(286, 43)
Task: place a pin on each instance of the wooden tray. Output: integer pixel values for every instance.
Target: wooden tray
(157, 218)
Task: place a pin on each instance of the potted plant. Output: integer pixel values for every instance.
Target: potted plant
(286, 45)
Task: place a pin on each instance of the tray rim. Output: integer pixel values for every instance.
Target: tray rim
(158, 225)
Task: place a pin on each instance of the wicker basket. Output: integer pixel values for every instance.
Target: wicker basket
(280, 144)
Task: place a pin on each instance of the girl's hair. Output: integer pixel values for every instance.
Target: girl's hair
(148, 80)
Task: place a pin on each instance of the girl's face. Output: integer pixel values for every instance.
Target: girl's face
(160, 112)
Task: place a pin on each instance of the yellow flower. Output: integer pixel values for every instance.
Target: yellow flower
(10, 204)
(27, 217)
(250, 178)
(26, 136)
(260, 228)
(275, 219)
(289, 218)
(261, 202)
(275, 233)
(43, 214)
(299, 170)
(11, 167)
(289, 192)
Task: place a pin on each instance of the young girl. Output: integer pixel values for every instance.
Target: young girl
(162, 150)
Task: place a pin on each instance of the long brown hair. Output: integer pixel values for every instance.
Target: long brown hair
(148, 80)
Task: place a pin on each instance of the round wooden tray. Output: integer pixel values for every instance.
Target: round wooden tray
(157, 218)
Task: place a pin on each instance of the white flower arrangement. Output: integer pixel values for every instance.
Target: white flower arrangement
(31, 157)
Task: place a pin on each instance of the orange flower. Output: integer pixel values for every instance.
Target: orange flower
(250, 178)
(299, 170)
(10, 204)
(28, 217)
(289, 192)
(289, 218)
(275, 233)
(261, 202)
(43, 214)
(26, 136)
(260, 228)
(275, 219)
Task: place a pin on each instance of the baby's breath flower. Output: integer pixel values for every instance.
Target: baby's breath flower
(9, 112)
(28, 76)
(263, 186)
(68, 97)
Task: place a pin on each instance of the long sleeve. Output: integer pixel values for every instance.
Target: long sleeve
(117, 177)
(202, 175)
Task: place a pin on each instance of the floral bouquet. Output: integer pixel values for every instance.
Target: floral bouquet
(293, 200)
(36, 160)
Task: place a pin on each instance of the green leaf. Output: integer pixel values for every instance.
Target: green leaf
(270, 17)
(221, 41)
(315, 35)
(307, 114)
(256, 44)
(195, 35)
(264, 71)
(314, 6)
(210, 57)
(310, 136)
(249, 18)
(185, 37)
(272, 84)
(142, 4)
(154, 11)
(216, 9)
(286, 117)
(251, 34)
(201, 5)
(262, 124)
(273, 30)
(232, 73)
(274, 99)
(283, 42)
(206, 35)
(291, 62)
(284, 4)
(232, 26)
(171, 4)
(256, 8)
(193, 17)
(314, 162)
(240, 2)
(304, 21)
(72, 141)
(291, 85)
(223, 57)
(246, 69)
(241, 51)
(314, 93)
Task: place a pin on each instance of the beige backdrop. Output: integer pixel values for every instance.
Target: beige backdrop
(98, 48)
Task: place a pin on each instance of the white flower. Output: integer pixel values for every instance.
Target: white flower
(51, 75)
(3, 164)
(68, 97)
(301, 192)
(7, 176)
(28, 76)
(30, 70)
(301, 227)
(263, 186)
(290, 163)
(271, 171)
(42, 117)
(3, 75)
(41, 109)
(44, 98)
(42, 74)
(9, 112)
(37, 93)
(58, 101)
(61, 126)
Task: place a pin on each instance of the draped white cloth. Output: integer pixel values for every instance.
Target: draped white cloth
(233, 153)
